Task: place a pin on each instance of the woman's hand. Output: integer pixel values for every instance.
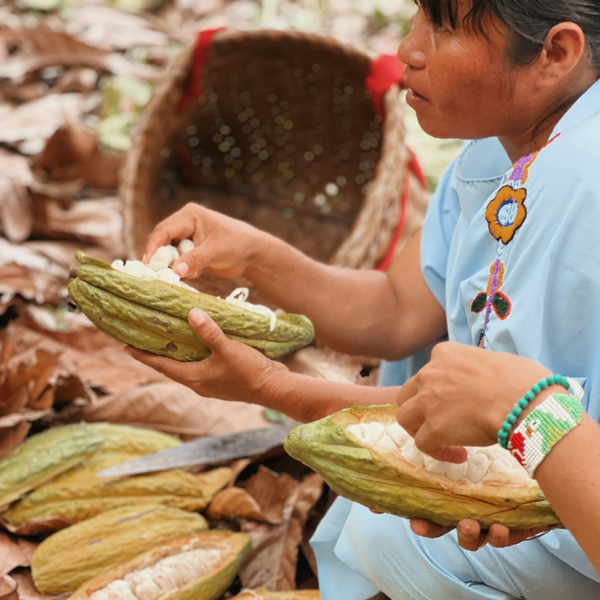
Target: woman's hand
(472, 537)
(224, 246)
(462, 397)
(233, 371)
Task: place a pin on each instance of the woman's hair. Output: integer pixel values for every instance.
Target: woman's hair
(528, 20)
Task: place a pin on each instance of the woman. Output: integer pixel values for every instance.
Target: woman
(506, 261)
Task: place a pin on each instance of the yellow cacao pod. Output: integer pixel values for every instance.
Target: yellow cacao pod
(364, 455)
(135, 441)
(44, 456)
(69, 558)
(152, 315)
(200, 566)
(263, 593)
(78, 494)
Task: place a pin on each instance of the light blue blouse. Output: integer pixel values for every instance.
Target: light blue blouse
(512, 252)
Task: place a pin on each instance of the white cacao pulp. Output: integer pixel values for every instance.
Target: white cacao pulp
(484, 465)
(165, 576)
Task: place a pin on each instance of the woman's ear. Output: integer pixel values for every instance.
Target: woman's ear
(564, 50)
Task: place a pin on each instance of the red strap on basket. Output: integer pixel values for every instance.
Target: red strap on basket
(386, 70)
(415, 167)
(194, 89)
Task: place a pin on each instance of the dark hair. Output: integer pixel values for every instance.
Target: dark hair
(529, 21)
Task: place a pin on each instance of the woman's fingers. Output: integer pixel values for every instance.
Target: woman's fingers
(167, 366)
(428, 529)
(192, 263)
(207, 330)
(470, 535)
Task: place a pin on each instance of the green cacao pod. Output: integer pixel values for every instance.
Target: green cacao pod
(200, 566)
(133, 441)
(364, 455)
(78, 494)
(152, 315)
(69, 558)
(263, 593)
(44, 456)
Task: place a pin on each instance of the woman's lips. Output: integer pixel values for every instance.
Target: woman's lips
(413, 97)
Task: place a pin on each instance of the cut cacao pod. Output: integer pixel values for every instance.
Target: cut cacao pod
(44, 456)
(152, 315)
(365, 456)
(78, 494)
(69, 558)
(200, 566)
(264, 594)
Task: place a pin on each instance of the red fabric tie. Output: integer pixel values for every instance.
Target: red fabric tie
(194, 89)
(386, 70)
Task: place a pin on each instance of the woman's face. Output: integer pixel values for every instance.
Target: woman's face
(461, 84)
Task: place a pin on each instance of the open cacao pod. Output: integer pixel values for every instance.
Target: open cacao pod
(200, 566)
(152, 315)
(365, 456)
(69, 558)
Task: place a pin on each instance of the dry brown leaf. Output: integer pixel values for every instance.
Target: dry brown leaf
(95, 221)
(25, 588)
(234, 503)
(16, 213)
(107, 368)
(275, 547)
(42, 47)
(271, 491)
(14, 552)
(72, 153)
(8, 588)
(172, 408)
(12, 437)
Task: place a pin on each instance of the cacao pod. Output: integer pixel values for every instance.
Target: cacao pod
(263, 593)
(78, 494)
(365, 456)
(44, 456)
(200, 566)
(152, 315)
(134, 441)
(69, 558)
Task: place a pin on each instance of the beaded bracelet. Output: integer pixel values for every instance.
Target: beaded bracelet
(543, 428)
(523, 403)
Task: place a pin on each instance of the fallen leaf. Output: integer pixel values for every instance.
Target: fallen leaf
(234, 503)
(26, 588)
(171, 408)
(14, 552)
(13, 437)
(273, 561)
(8, 588)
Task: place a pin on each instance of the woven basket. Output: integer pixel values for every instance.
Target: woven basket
(277, 129)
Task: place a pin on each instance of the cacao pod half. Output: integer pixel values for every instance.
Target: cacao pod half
(200, 566)
(152, 315)
(263, 593)
(365, 456)
(43, 456)
(69, 558)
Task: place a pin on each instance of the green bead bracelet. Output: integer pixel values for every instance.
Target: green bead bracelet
(523, 403)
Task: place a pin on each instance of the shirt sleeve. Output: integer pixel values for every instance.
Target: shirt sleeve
(438, 230)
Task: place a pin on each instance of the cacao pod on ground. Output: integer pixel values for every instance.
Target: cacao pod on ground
(152, 315)
(365, 456)
(43, 456)
(69, 558)
(200, 566)
(78, 494)
(263, 593)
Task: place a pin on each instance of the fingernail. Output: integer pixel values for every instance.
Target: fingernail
(145, 258)
(196, 316)
(181, 269)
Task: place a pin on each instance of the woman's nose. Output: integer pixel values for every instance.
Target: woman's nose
(411, 49)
